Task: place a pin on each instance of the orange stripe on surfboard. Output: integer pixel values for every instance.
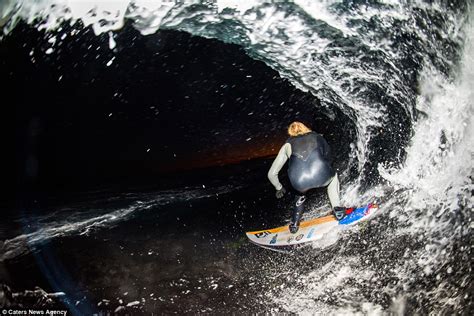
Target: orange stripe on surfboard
(319, 220)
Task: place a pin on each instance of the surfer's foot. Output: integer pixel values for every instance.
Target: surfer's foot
(339, 212)
(294, 227)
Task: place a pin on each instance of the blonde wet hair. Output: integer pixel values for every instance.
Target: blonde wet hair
(298, 128)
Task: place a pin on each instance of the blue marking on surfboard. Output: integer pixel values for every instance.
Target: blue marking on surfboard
(356, 215)
(310, 233)
(274, 239)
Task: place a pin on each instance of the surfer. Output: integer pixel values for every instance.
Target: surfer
(309, 168)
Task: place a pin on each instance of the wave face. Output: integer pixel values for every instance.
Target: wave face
(402, 74)
(86, 217)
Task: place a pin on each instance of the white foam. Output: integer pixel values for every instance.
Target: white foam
(322, 284)
(239, 5)
(439, 159)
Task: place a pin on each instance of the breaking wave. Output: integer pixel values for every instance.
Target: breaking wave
(402, 73)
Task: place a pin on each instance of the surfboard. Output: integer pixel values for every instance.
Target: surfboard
(310, 230)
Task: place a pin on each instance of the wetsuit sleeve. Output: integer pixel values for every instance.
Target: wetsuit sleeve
(278, 163)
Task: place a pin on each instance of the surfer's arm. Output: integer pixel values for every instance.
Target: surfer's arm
(278, 163)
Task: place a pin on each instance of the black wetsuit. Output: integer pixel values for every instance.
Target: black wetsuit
(310, 162)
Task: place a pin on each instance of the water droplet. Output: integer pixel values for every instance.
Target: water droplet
(110, 61)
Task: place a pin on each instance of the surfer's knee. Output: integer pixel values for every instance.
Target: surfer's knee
(300, 199)
(333, 192)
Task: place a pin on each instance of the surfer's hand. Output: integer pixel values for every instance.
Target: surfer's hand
(279, 193)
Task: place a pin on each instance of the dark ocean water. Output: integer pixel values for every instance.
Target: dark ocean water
(143, 134)
(173, 251)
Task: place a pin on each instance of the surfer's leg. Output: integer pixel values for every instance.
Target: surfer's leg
(333, 192)
(297, 213)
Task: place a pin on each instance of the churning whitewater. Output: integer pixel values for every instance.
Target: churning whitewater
(401, 73)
